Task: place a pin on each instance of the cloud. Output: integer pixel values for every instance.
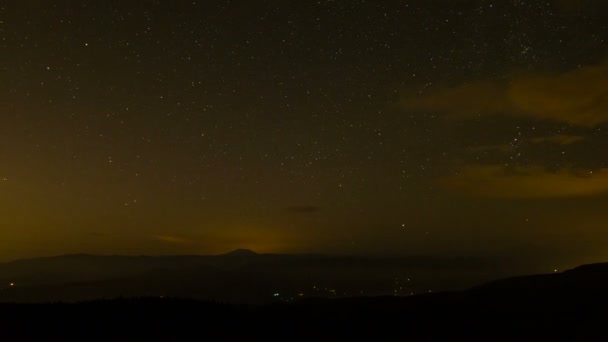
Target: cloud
(172, 239)
(559, 139)
(526, 182)
(578, 97)
(303, 209)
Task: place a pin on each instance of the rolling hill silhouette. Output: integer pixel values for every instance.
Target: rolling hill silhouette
(241, 276)
(241, 253)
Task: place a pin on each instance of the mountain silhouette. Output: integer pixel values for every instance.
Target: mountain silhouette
(584, 279)
(239, 276)
(241, 253)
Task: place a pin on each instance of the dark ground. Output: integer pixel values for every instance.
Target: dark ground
(572, 305)
(474, 315)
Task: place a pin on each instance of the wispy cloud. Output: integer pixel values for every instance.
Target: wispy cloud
(578, 97)
(526, 182)
(172, 239)
(502, 148)
(559, 139)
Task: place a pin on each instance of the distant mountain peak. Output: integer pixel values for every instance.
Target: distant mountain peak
(241, 252)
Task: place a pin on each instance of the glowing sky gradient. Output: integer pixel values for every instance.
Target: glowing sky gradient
(471, 127)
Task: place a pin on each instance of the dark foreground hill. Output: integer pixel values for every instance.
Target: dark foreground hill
(568, 306)
(241, 276)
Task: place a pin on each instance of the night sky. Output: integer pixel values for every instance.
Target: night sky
(425, 127)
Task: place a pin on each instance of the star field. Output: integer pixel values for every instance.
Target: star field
(473, 127)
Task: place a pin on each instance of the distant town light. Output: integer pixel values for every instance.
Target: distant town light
(11, 284)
